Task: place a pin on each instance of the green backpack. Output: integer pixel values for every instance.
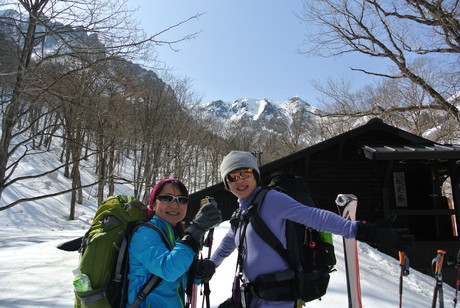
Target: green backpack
(104, 254)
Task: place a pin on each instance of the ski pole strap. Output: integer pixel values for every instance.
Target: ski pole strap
(209, 241)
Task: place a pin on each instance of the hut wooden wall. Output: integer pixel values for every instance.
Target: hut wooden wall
(339, 165)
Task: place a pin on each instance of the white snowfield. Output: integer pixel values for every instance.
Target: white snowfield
(34, 273)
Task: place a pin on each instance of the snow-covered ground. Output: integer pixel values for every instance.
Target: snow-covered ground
(34, 273)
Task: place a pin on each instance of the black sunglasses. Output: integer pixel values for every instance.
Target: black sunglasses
(167, 198)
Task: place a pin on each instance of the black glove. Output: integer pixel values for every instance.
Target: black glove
(208, 217)
(383, 234)
(205, 269)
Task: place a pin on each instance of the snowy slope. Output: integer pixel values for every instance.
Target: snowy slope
(34, 273)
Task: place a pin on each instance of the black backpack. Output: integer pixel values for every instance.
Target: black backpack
(309, 253)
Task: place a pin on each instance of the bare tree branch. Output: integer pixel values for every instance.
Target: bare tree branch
(388, 29)
(5, 207)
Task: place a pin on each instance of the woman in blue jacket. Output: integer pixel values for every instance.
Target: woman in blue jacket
(241, 177)
(148, 254)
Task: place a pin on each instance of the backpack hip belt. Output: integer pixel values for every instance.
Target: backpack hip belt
(277, 286)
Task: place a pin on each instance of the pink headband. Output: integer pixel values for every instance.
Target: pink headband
(158, 186)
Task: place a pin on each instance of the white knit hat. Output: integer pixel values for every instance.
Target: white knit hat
(238, 160)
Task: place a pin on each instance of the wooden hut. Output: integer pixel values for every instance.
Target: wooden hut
(391, 172)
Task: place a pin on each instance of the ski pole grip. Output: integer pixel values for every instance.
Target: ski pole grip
(344, 199)
(401, 258)
(441, 254)
(206, 200)
(209, 239)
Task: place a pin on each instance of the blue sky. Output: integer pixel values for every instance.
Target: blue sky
(245, 48)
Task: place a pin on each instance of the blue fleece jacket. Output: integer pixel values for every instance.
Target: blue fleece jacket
(149, 255)
(258, 257)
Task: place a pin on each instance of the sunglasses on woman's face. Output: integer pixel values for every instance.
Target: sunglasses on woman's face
(167, 198)
(242, 174)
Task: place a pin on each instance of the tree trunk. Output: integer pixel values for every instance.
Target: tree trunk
(11, 111)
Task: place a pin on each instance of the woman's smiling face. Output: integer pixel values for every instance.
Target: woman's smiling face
(171, 212)
(241, 182)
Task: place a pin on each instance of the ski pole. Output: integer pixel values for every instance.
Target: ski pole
(456, 263)
(206, 289)
(437, 263)
(190, 290)
(208, 243)
(404, 264)
(457, 283)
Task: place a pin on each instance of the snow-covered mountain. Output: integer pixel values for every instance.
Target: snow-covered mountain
(12, 25)
(260, 112)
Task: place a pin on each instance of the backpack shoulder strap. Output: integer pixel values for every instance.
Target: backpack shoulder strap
(154, 280)
(235, 219)
(242, 220)
(261, 228)
(163, 237)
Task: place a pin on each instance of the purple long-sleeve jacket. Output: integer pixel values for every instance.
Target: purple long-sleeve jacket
(258, 257)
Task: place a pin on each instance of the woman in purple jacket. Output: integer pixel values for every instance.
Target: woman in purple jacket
(241, 177)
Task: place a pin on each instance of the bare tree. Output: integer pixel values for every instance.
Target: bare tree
(209, 151)
(89, 32)
(399, 102)
(397, 31)
(299, 130)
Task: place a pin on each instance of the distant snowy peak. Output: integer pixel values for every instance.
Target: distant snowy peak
(61, 37)
(296, 104)
(253, 109)
(256, 110)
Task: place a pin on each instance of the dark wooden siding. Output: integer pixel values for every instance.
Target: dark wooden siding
(339, 165)
(328, 179)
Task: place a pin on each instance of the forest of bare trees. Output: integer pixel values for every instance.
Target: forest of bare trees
(88, 95)
(75, 83)
(419, 40)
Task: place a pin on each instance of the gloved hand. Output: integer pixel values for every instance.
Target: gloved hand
(205, 269)
(208, 217)
(383, 234)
